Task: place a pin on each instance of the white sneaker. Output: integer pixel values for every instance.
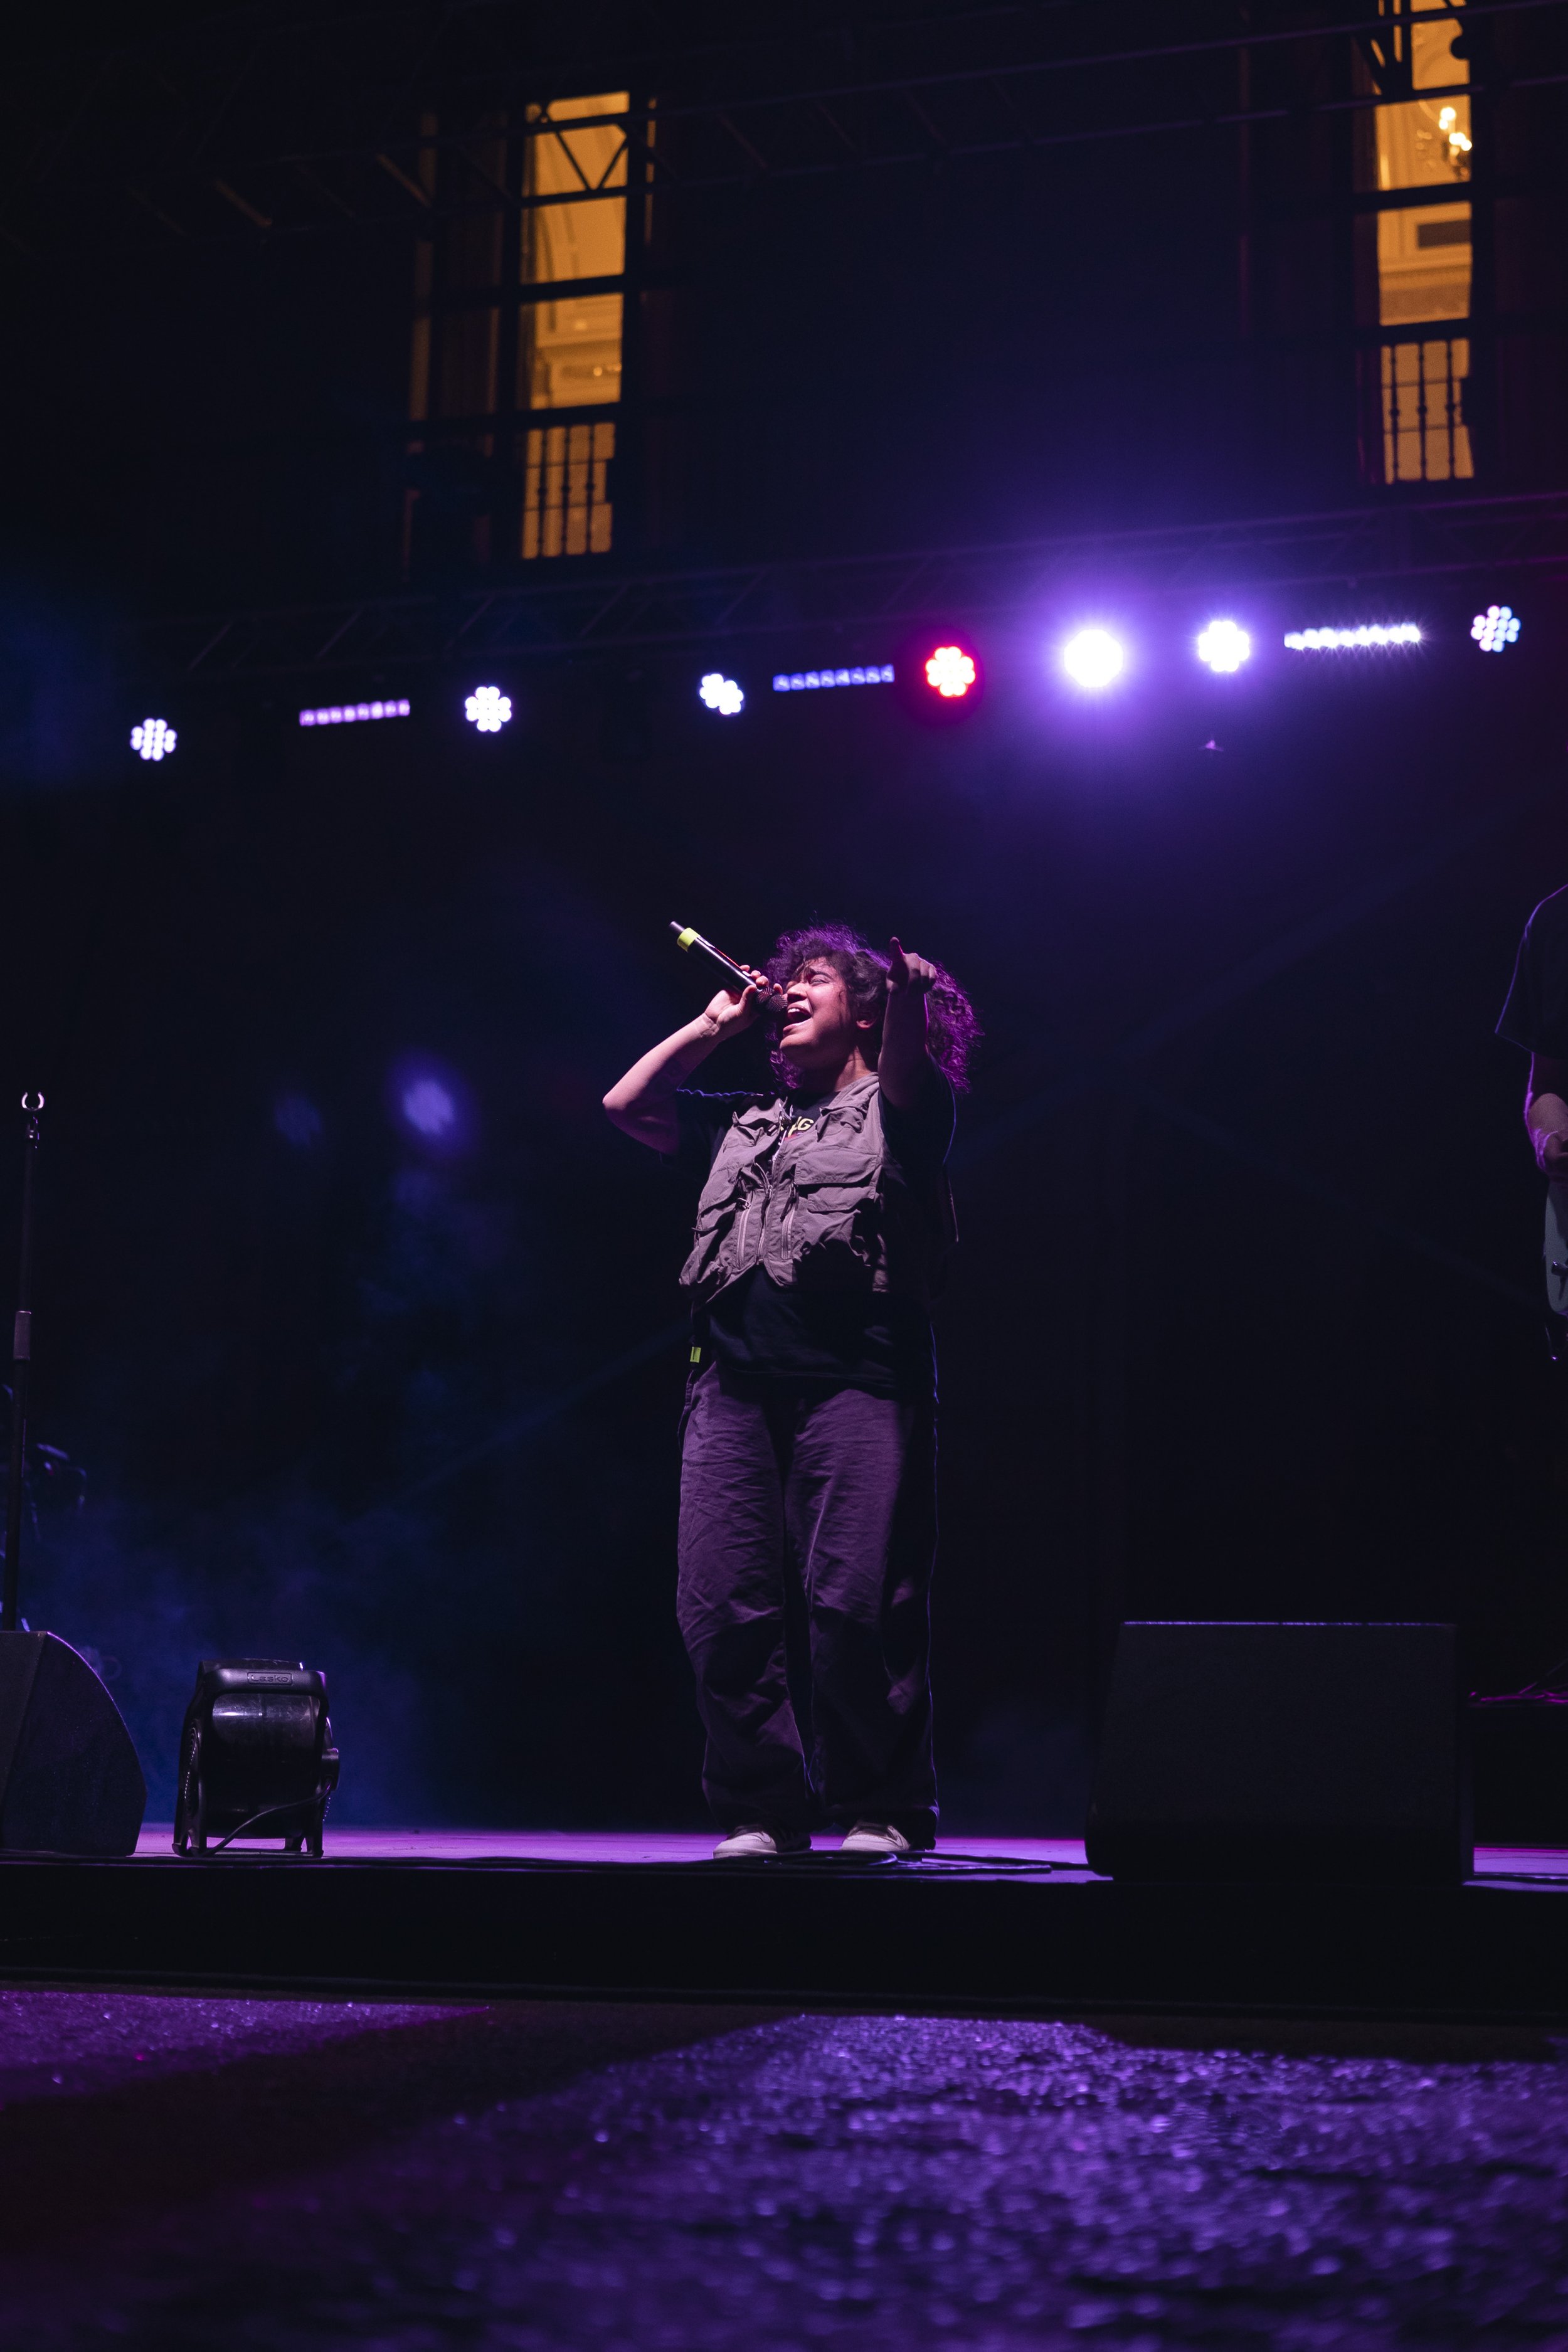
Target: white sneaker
(876, 1837)
(753, 1840)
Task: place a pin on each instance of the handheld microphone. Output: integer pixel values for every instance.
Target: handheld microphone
(685, 938)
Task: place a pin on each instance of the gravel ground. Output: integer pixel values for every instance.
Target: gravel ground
(287, 2176)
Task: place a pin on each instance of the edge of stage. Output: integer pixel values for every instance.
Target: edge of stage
(1020, 1923)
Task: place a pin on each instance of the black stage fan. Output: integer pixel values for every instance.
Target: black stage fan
(256, 1756)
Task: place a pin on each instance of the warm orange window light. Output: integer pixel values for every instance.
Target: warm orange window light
(571, 355)
(573, 340)
(1423, 262)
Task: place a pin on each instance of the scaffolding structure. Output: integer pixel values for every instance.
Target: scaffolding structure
(597, 613)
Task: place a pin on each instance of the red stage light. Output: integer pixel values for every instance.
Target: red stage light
(951, 672)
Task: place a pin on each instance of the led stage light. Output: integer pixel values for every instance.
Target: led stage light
(721, 694)
(298, 1120)
(344, 714)
(155, 739)
(431, 1105)
(1324, 641)
(807, 681)
(1223, 646)
(427, 1106)
(1495, 627)
(951, 672)
(487, 709)
(1093, 659)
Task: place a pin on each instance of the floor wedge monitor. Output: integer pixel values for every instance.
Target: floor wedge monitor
(69, 1780)
(1255, 1751)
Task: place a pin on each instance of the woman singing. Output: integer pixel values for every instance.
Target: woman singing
(808, 1447)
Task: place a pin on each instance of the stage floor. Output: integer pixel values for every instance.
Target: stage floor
(345, 1844)
(1007, 1922)
(603, 1846)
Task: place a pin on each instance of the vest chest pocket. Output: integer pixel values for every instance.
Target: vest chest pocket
(721, 1206)
(727, 1179)
(833, 1217)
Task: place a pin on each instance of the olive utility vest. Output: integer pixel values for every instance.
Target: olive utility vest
(820, 1204)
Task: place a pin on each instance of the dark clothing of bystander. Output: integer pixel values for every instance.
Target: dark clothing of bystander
(1536, 1014)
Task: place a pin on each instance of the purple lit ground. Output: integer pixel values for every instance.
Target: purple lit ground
(186, 2171)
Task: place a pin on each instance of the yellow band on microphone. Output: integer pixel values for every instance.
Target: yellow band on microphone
(686, 938)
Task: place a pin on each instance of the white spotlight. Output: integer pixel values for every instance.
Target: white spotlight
(487, 709)
(721, 694)
(1495, 627)
(1093, 659)
(1223, 646)
(155, 739)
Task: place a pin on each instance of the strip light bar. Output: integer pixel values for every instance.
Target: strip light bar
(344, 714)
(807, 681)
(1319, 641)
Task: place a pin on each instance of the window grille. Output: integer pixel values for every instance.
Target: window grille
(566, 489)
(1413, 381)
(1425, 438)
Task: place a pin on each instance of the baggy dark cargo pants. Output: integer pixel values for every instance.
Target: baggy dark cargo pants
(838, 1489)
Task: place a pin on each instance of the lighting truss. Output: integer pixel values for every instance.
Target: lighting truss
(617, 611)
(259, 130)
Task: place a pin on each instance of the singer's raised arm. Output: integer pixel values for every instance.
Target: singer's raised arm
(903, 1065)
(642, 1103)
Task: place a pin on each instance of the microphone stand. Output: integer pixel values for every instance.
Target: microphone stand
(21, 1367)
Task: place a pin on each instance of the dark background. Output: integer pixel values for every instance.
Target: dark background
(1244, 1321)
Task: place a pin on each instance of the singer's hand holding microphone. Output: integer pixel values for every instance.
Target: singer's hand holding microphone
(734, 1009)
(748, 992)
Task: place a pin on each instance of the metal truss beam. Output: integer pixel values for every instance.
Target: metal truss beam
(789, 161)
(584, 611)
(280, 134)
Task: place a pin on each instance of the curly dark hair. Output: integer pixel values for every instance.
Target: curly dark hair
(953, 1031)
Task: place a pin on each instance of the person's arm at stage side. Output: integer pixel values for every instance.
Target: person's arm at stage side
(1546, 1115)
(903, 1064)
(642, 1103)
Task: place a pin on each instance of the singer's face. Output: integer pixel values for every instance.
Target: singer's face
(819, 1033)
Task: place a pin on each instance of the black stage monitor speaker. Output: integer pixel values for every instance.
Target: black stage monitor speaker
(69, 1780)
(1252, 1751)
(1519, 1747)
